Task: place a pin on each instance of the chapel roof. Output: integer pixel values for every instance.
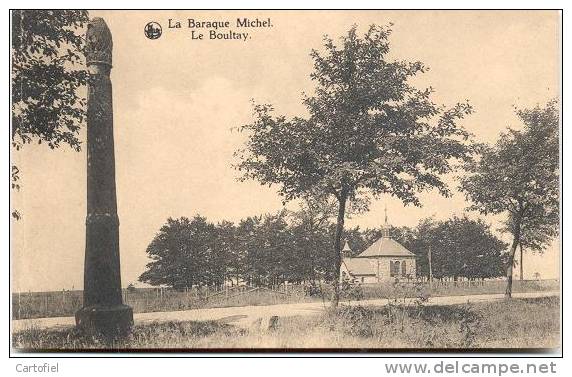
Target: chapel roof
(386, 247)
(358, 266)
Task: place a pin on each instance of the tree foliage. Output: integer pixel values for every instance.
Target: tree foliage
(368, 129)
(48, 70)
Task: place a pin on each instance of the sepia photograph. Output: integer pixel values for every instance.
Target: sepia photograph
(241, 181)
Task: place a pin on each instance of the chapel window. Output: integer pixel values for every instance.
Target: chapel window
(394, 268)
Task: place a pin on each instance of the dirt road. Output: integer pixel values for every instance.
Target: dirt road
(244, 316)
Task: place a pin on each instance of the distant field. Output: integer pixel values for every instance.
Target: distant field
(516, 323)
(66, 303)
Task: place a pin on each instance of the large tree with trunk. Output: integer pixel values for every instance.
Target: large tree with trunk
(369, 131)
(519, 177)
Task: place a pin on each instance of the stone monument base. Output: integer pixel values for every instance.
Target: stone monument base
(105, 320)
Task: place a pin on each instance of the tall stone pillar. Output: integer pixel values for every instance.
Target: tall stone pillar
(103, 309)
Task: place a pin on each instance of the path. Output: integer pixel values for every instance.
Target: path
(245, 315)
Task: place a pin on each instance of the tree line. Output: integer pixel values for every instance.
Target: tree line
(296, 246)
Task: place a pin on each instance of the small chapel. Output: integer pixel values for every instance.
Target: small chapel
(386, 260)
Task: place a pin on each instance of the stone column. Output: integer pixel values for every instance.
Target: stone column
(103, 310)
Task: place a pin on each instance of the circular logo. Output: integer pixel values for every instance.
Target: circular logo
(153, 30)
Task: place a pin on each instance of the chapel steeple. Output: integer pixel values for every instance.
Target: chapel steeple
(347, 250)
(386, 233)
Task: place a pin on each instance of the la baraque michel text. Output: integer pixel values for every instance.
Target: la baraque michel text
(220, 30)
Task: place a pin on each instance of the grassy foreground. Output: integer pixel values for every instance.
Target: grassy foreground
(516, 323)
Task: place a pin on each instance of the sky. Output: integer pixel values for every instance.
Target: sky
(176, 101)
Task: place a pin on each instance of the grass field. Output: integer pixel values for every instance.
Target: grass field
(142, 300)
(516, 323)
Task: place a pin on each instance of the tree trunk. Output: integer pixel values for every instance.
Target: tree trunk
(338, 248)
(515, 242)
(521, 264)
